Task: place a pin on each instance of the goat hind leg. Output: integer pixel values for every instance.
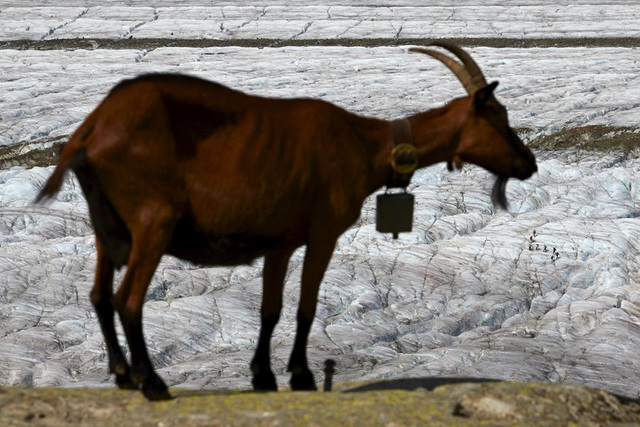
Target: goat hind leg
(101, 296)
(273, 274)
(147, 249)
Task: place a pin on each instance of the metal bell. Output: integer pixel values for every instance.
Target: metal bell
(394, 213)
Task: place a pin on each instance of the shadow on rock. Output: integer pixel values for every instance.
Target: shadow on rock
(426, 383)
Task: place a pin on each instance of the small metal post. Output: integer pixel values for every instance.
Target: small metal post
(329, 369)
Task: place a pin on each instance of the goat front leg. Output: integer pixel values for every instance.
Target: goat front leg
(273, 275)
(101, 296)
(316, 260)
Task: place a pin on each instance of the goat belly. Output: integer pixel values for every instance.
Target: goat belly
(193, 245)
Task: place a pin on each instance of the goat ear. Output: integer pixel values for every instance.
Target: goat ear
(481, 96)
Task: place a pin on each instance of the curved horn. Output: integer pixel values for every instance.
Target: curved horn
(460, 71)
(474, 70)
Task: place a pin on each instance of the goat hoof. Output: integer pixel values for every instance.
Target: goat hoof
(156, 395)
(123, 377)
(302, 380)
(120, 368)
(264, 381)
(142, 374)
(124, 382)
(138, 377)
(155, 389)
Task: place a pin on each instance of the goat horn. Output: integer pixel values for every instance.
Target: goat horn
(460, 71)
(472, 67)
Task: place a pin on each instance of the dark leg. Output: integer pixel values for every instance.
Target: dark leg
(101, 295)
(148, 245)
(316, 260)
(301, 376)
(273, 274)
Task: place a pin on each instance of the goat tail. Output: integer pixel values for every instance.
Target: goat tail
(78, 141)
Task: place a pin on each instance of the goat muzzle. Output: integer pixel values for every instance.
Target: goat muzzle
(526, 168)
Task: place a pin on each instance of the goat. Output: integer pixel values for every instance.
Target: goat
(172, 164)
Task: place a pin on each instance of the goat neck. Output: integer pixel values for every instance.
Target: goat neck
(435, 134)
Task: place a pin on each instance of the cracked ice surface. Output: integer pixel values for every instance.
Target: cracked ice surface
(44, 95)
(288, 21)
(460, 295)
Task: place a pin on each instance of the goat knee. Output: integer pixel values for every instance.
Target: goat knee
(99, 301)
(128, 312)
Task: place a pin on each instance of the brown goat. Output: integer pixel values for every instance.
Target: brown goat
(172, 164)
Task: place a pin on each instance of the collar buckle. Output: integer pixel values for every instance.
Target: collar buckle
(404, 156)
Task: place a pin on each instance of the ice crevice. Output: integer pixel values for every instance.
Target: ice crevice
(450, 17)
(141, 55)
(260, 14)
(398, 31)
(53, 30)
(304, 29)
(132, 29)
(140, 24)
(349, 28)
